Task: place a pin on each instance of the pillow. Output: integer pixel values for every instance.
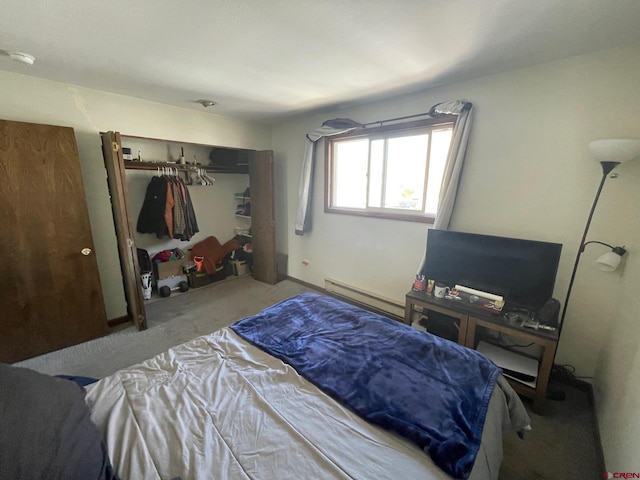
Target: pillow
(46, 430)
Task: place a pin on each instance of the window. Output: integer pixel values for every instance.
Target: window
(389, 172)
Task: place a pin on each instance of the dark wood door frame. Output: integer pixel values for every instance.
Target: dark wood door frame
(263, 217)
(117, 181)
(262, 220)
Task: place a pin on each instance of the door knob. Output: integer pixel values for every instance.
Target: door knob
(85, 251)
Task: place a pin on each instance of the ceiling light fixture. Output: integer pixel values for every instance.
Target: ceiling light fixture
(206, 103)
(22, 57)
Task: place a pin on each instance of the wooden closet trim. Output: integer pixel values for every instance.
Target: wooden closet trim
(261, 170)
(117, 181)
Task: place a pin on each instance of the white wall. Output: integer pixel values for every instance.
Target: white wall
(529, 175)
(89, 112)
(617, 387)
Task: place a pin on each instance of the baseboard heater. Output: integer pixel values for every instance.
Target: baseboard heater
(369, 300)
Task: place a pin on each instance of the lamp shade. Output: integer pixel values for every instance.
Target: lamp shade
(617, 150)
(609, 261)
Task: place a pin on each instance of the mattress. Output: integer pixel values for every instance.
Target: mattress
(219, 407)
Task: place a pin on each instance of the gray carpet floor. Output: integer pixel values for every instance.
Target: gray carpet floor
(171, 321)
(561, 444)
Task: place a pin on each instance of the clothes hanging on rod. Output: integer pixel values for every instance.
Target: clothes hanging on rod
(167, 209)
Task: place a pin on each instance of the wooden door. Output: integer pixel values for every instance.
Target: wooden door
(263, 224)
(50, 295)
(117, 180)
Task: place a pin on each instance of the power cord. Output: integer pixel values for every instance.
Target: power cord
(563, 374)
(503, 343)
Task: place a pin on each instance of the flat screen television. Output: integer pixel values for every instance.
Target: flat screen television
(522, 271)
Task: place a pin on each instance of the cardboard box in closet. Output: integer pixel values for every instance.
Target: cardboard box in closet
(169, 269)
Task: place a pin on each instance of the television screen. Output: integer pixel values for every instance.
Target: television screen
(521, 271)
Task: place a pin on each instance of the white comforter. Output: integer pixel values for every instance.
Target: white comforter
(218, 407)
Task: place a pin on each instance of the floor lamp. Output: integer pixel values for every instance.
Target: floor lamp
(610, 153)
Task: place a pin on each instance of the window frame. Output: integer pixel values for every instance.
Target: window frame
(370, 133)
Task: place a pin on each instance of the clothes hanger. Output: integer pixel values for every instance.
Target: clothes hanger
(208, 178)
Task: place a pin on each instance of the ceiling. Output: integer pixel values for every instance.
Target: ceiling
(267, 60)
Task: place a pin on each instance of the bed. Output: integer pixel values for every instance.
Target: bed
(308, 388)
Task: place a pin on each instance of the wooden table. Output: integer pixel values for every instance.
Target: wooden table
(471, 319)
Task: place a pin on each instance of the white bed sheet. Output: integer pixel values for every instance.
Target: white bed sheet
(219, 408)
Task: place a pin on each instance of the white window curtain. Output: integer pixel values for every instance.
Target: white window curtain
(329, 128)
(455, 161)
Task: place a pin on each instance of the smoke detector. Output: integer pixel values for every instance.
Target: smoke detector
(206, 103)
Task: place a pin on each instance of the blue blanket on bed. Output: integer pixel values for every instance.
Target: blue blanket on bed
(429, 390)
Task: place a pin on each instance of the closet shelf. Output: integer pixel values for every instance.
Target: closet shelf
(135, 165)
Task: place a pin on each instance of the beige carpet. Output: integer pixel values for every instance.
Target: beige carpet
(172, 321)
(561, 444)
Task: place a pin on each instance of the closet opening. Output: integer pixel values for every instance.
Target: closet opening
(226, 193)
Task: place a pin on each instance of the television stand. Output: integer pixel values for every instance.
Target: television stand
(473, 321)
